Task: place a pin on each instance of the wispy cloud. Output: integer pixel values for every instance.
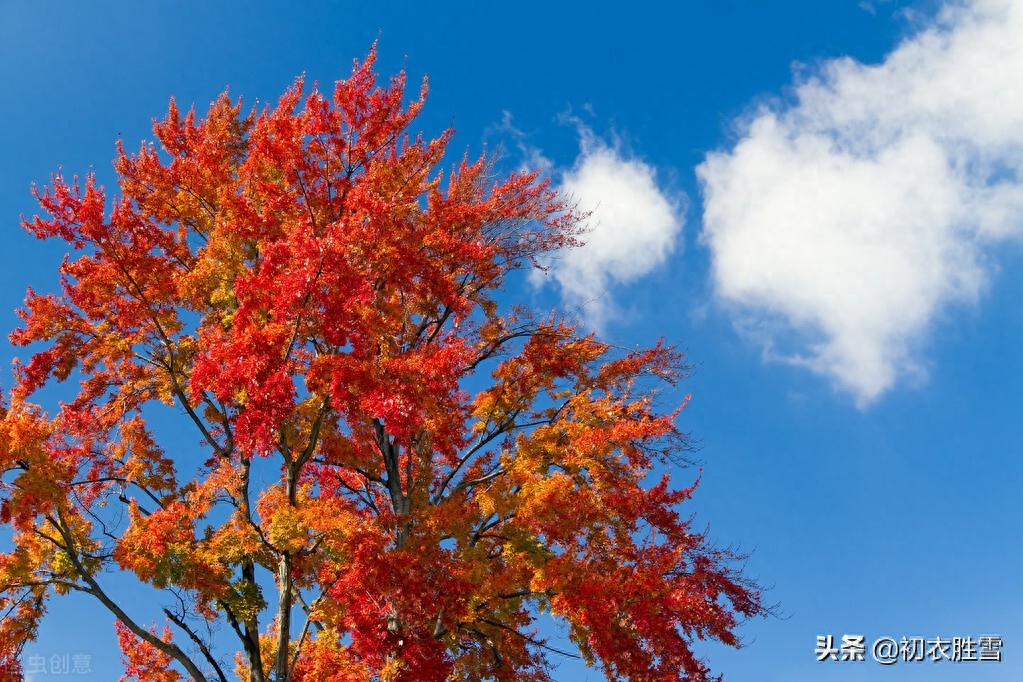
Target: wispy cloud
(853, 216)
(634, 223)
(871, 5)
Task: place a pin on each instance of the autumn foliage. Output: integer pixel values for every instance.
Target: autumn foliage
(387, 475)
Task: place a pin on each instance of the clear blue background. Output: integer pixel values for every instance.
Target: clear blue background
(898, 519)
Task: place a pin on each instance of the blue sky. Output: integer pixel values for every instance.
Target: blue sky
(820, 201)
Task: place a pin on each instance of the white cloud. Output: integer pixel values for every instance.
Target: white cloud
(633, 226)
(856, 214)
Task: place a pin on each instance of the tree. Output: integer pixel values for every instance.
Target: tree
(396, 476)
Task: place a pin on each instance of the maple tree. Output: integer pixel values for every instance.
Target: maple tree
(397, 477)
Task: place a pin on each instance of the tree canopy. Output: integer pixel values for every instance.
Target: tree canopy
(398, 473)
